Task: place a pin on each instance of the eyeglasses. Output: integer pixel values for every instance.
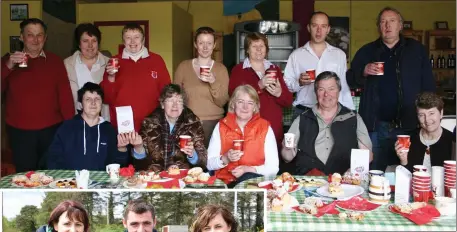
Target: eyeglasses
(172, 102)
(241, 102)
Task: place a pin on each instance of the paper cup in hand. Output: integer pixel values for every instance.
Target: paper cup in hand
(25, 59)
(204, 69)
(312, 74)
(114, 62)
(113, 170)
(289, 140)
(404, 141)
(272, 71)
(124, 119)
(238, 145)
(184, 140)
(380, 66)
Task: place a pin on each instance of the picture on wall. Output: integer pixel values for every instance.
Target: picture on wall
(19, 12)
(339, 34)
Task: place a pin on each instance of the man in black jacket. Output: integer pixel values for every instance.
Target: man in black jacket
(387, 101)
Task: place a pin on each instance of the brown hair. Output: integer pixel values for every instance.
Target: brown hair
(139, 206)
(206, 213)
(428, 100)
(254, 36)
(132, 27)
(244, 89)
(205, 30)
(170, 90)
(388, 8)
(75, 212)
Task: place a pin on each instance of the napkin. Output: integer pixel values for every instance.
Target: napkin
(326, 209)
(29, 174)
(127, 172)
(357, 203)
(419, 216)
(82, 178)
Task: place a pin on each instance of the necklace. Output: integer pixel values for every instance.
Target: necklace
(428, 142)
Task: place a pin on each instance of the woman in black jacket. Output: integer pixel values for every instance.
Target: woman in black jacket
(431, 145)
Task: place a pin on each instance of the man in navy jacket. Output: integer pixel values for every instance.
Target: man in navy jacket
(87, 141)
(387, 102)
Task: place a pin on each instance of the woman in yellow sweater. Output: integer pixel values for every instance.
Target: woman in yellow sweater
(205, 81)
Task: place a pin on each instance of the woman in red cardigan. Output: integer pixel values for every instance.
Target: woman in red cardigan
(267, 80)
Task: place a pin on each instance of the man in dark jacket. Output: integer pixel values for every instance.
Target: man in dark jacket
(389, 90)
(87, 141)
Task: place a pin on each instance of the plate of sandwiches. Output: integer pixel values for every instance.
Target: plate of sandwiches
(37, 179)
(340, 191)
(66, 183)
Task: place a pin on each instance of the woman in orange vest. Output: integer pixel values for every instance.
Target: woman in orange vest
(257, 156)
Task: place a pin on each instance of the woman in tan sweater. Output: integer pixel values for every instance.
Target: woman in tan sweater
(207, 91)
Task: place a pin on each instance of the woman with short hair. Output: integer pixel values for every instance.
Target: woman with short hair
(69, 215)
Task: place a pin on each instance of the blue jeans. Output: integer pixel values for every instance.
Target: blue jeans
(383, 140)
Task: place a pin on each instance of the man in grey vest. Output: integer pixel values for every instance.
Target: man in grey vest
(326, 133)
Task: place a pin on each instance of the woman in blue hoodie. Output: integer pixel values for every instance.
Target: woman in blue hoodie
(87, 141)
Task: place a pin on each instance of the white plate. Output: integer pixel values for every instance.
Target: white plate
(182, 184)
(302, 182)
(54, 186)
(348, 191)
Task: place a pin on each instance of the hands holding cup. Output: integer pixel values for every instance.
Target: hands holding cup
(375, 68)
(112, 68)
(307, 77)
(267, 80)
(206, 75)
(401, 153)
(17, 58)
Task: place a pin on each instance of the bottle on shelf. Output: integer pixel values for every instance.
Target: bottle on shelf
(438, 62)
(432, 61)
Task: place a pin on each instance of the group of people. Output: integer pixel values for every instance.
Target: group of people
(73, 104)
(138, 216)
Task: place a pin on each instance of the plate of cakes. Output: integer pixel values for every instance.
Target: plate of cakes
(66, 183)
(335, 189)
(173, 171)
(31, 180)
(196, 176)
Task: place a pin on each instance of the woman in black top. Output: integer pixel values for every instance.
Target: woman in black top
(431, 145)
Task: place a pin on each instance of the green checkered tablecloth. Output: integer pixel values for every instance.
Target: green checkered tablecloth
(96, 176)
(380, 219)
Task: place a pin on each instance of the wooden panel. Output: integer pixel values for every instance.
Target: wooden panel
(414, 34)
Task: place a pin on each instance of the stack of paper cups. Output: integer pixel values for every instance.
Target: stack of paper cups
(419, 168)
(449, 177)
(438, 181)
(421, 186)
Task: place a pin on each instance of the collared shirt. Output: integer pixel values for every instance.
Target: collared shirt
(324, 140)
(304, 58)
(144, 53)
(83, 73)
(266, 65)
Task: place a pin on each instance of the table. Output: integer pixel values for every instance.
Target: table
(380, 219)
(100, 177)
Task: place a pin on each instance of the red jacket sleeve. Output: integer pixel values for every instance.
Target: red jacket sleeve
(109, 90)
(286, 98)
(5, 72)
(238, 77)
(67, 105)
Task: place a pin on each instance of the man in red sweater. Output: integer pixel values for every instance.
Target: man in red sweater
(37, 97)
(139, 80)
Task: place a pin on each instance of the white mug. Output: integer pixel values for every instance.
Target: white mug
(113, 170)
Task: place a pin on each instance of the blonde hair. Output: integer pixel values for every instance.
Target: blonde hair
(244, 89)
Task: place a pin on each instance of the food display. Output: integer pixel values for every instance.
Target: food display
(144, 176)
(357, 216)
(334, 187)
(279, 200)
(132, 181)
(286, 180)
(173, 170)
(408, 207)
(67, 183)
(312, 183)
(311, 205)
(195, 172)
(349, 178)
(32, 180)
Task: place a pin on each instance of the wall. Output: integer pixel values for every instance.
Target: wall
(60, 36)
(182, 36)
(11, 28)
(160, 24)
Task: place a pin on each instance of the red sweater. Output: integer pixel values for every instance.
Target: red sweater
(137, 84)
(270, 106)
(38, 96)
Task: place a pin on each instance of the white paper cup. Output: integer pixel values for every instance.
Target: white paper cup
(445, 205)
(289, 140)
(113, 170)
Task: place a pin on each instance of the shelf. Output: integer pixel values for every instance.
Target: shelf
(443, 69)
(444, 49)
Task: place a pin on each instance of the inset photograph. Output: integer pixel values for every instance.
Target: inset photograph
(115, 211)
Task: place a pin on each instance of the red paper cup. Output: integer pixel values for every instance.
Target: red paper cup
(419, 168)
(238, 145)
(272, 71)
(23, 64)
(449, 177)
(312, 74)
(115, 63)
(404, 141)
(381, 68)
(421, 186)
(422, 175)
(450, 171)
(450, 182)
(451, 163)
(204, 69)
(421, 196)
(183, 140)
